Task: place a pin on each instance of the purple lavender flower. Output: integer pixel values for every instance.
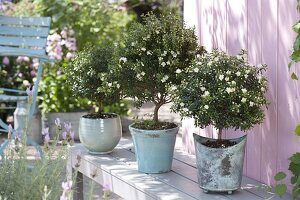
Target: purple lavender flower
(5, 61)
(72, 134)
(68, 126)
(67, 186)
(63, 197)
(64, 135)
(33, 73)
(45, 133)
(18, 135)
(30, 90)
(57, 122)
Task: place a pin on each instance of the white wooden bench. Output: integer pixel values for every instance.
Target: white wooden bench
(119, 170)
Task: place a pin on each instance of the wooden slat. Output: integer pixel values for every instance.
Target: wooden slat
(14, 51)
(27, 21)
(22, 41)
(24, 31)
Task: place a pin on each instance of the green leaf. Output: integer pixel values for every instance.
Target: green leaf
(296, 27)
(294, 180)
(279, 176)
(294, 76)
(296, 192)
(291, 64)
(297, 130)
(295, 158)
(280, 189)
(294, 168)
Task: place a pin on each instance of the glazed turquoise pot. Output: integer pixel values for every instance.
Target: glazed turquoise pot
(100, 136)
(220, 169)
(154, 149)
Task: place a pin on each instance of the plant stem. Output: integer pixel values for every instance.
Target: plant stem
(220, 134)
(100, 107)
(155, 116)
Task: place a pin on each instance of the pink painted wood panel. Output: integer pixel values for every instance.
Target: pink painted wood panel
(263, 27)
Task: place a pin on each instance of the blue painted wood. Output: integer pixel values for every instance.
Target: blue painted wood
(27, 21)
(15, 51)
(22, 41)
(24, 31)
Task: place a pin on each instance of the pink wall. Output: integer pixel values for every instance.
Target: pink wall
(263, 27)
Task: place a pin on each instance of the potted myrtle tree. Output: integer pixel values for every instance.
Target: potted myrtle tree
(226, 92)
(154, 54)
(99, 132)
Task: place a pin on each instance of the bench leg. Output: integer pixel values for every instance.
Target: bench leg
(78, 189)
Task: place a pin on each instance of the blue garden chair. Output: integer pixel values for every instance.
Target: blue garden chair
(23, 36)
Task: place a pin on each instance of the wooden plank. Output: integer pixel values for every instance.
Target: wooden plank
(220, 15)
(14, 51)
(254, 135)
(27, 21)
(269, 127)
(130, 176)
(22, 41)
(24, 31)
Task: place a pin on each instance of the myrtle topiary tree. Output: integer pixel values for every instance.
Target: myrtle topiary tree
(222, 90)
(154, 54)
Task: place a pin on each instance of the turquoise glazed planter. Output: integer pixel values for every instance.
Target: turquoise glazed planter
(100, 136)
(154, 149)
(220, 169)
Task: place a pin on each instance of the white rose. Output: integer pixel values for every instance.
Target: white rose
(244, 90)
(196, 70)
(206, 93)
(168, 62)
(206, 107)
(226, 78)
(244, 100)
(238, 73)
(143, 73)
(181, 104)
(149, 53)
(118, 86)
(246, 76)
(233, 82)
(228, 72)
(232, 89)
(221, 77)
(157, 31)
(109, 84)
(247, 71)
(178, 71)
(262, 89)
(143, 49)
(163, 64)
(185, 110)
(228, 90)
(202, 89)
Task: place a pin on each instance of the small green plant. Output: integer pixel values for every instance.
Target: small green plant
(222, 90)
(153, 55)
(89, 76)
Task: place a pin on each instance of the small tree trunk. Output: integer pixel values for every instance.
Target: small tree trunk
(220, 134)
(100, 107)
(155, 116)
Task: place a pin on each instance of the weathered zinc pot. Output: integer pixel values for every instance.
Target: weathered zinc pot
(220, 169)
(154, 149)
(100, 136)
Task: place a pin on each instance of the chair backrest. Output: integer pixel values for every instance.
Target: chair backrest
(24, 36)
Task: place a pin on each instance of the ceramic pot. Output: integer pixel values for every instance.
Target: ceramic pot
(100, 136)
(220, 169)
(154, 149)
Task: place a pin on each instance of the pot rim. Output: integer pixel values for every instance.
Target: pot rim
(153, 131)
(239, 140)
(116, 116)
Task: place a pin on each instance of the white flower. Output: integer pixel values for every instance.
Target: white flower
(168, 62)
(238, 73)
(143, 49)
(206, 107)
(165, 52)
(206, 93)
(247, 71)
(185, 109)
(196, 70)
(109, 84)
(262, 89)
(244, 90)
(251, 104)
(228, 90)
(123, 59)
(118, 86)
(132, 44)
(226, 78)
(160, 58)
(148, 36)
(157, 31)
(139, 77)
(198, 55)
(221, 77)
(149, 53)
(143, 73)
(165, 78)
(142, 64)
(244, 100)
(216, 59)
(232, 89)
(181, 104)
(228, 72)
(172, 52)
(178, 71)
(173, 88)
(233, 82)
(174, 55)
(202, 89)
(209, 63)
(163, 64)
(246, 76)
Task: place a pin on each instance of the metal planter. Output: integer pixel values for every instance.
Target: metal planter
(219, 169)
(154, 149)
(100, 136)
